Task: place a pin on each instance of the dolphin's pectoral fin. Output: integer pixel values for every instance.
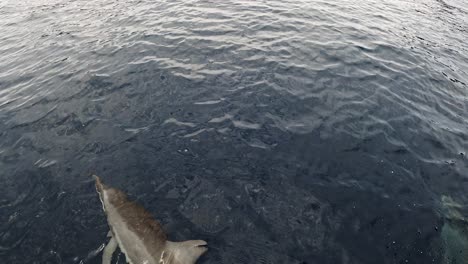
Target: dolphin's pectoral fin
(163, 259)
(168, 257)
(186, 252)
(108, 251)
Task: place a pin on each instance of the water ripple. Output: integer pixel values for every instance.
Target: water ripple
(280, 131)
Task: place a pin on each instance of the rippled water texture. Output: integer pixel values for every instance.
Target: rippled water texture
(279, 131)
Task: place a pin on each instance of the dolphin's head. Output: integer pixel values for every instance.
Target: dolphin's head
(186, 252)
(194, 249)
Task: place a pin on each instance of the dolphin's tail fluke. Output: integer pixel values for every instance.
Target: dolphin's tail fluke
(99, 185)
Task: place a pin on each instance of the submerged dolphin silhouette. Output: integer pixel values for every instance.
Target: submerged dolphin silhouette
(138, 235)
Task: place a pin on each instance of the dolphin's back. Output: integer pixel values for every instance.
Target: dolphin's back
(139, 235)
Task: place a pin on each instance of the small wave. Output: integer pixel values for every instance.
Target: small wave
(179, 123)
(245, 124)
(45, 163)
(210, 102)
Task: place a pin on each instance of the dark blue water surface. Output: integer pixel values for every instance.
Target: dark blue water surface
(279, 131)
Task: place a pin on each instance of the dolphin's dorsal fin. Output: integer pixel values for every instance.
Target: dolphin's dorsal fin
(186, 252)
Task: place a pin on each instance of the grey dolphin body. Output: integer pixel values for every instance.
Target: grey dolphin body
(138, 235)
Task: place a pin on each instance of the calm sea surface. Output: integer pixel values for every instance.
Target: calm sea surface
(292, 131)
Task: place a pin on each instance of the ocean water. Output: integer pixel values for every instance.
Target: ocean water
(285, 131)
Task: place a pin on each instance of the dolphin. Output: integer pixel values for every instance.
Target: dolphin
(138, 235)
